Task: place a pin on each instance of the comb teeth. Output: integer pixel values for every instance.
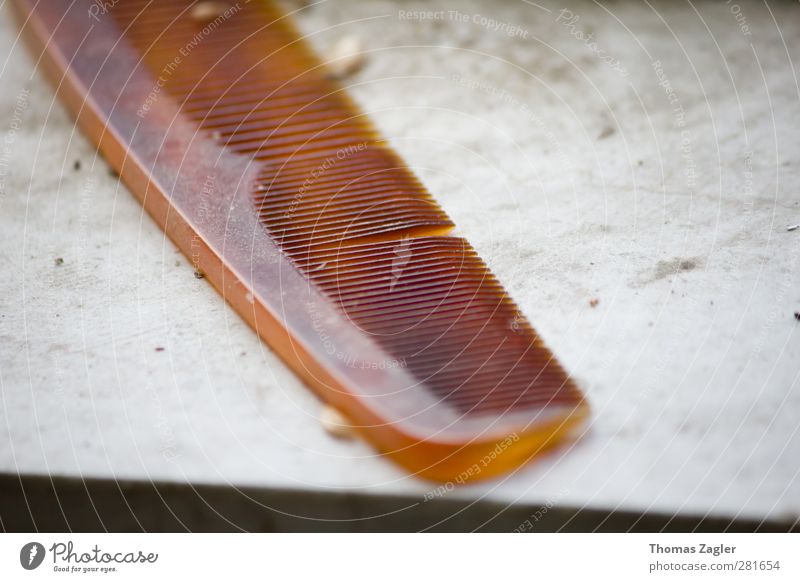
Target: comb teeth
(347, 211)
(359, 194)
(433, 304)
(326, 177)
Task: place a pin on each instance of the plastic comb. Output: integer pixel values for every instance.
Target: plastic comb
(263, 172)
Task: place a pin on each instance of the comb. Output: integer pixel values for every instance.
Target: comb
(282, 194)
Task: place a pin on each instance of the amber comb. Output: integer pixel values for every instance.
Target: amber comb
(259, 167)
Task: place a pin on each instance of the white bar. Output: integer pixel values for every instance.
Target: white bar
(407, 557)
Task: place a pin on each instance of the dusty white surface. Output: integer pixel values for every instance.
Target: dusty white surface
(571, 176)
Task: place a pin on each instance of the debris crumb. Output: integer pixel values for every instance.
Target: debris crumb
(593, 302)
(199, 274)
(216, 134)
(792, 227)
(335, 424)
(346, 57)
(797, 315)
(59, 261)
(209, 10)
(607, 132)
(159, 349)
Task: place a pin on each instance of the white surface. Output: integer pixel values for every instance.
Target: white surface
(690, 359)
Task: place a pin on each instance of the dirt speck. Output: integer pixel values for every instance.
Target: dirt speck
(673, 266)
(606, 132)
(797, 315)
(58, 261)
(77, 165)
(593, 302)
(159, 349)
(199, 274)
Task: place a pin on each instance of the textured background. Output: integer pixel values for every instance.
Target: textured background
(663, 191)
